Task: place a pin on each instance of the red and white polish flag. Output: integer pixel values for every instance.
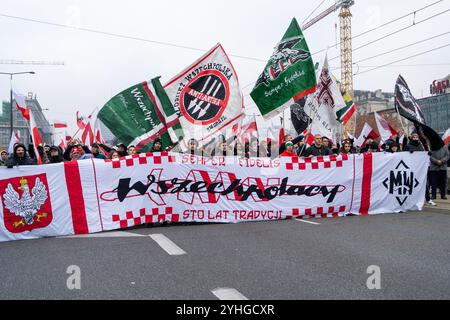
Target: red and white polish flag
(37, 139)
(15, 138)
(384, 128)
(446, 136)
(365, 134)
(249, 131)
(82, 120)
(21, 105)
(59, 124)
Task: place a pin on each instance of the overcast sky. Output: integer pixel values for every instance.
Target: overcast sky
(99, 66)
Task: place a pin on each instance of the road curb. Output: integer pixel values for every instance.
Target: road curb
(436, 210)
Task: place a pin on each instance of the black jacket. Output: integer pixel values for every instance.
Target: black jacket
(314, 151)
(413, 146)
(294, 141)
(14, 160)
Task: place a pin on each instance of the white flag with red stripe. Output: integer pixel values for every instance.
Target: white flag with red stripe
(270, 136)
(366, 133)
(59, 124)
(446, 136)
(88, 137)
(21, 105)
(36, 136)
(249, 131)
(82, 120)
(384, 128)
(15, 138)
(62, 144)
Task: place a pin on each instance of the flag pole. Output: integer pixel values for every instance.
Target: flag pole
(401, 121)
(308, 131)
(90, 115)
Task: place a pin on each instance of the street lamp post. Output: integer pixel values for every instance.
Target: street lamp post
(11, 74)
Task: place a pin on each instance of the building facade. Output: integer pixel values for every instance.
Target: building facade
(436, 110)
(20, 124)
(383, 103)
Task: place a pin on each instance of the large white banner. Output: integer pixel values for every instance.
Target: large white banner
(90, 196)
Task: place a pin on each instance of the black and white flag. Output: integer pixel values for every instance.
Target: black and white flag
(407, 106)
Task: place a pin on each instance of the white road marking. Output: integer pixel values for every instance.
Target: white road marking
(168, 245)
(114, 234)
(310, 222)
(228, 294)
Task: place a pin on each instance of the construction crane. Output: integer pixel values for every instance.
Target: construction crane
(36, 63)
(345, 18)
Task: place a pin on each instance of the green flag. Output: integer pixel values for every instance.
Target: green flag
(288, 76)
(140, 114)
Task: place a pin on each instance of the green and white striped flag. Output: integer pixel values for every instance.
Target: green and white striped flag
(140, 114)
(288, 76)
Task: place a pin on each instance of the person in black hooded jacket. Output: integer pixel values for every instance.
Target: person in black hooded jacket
(56, 155)
(20, 157)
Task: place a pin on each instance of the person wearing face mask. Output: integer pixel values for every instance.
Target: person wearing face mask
(414, 144)
(95, 150)
(56, 155)
(20, 157)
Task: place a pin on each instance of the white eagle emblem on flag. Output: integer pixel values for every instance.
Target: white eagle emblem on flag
(29, 204)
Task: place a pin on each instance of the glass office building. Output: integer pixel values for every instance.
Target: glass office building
(436, 110)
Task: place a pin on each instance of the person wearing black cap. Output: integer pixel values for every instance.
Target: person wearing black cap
(122, 150)
(391, 146)
(56, 155)
(157, 145)
(20, 157)
(95, 150)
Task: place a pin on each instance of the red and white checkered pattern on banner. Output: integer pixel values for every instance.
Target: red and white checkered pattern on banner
(319, 212)
(316, 163)
(146, 216)
(141, 158)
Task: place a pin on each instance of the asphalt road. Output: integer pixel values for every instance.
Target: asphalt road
(269, 260)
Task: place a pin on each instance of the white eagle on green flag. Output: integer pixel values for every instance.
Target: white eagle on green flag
(288, 76)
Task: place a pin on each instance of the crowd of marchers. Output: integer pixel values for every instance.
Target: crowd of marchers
(289, 147)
